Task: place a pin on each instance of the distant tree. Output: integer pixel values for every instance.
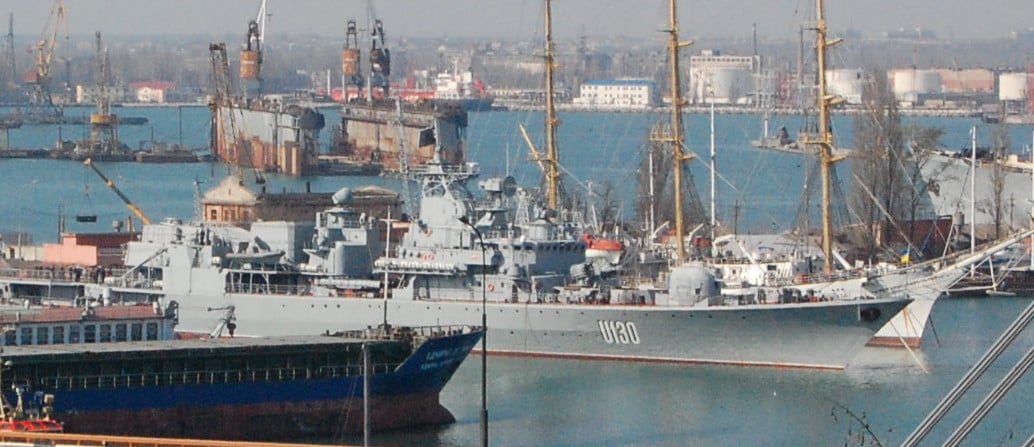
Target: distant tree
(999, 150)
(922, 142)
(879, 164)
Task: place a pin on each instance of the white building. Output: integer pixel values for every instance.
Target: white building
(151, 91)
(618, 93)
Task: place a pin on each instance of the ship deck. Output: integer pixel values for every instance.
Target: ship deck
(208, 345)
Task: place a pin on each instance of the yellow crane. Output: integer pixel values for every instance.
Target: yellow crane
(129, 203)
(39, 78)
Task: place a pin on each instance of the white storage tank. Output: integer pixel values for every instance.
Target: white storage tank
(846, 83)
(909, 83)
(1012, 86)
(726, 86)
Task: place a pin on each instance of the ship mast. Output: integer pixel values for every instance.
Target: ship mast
(677, 139)
(824, 139)
(552, 154)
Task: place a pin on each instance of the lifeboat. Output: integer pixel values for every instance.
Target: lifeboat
(609, 250)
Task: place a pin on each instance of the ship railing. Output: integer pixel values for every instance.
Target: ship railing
(28, 273)
(268, 289)
(209, 377)
(409, 332)
(52, 273)
(816, 278)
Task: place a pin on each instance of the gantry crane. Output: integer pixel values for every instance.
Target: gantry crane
(39, 77)
(129, 203)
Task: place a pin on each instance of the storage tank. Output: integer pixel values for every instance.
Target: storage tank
(1012, 86)
(728, 85)
(927, 81)
(350, 61)
(249, 64)
(846, 83)
(909, 83)
(902, 83)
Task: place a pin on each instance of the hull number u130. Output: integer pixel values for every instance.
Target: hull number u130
(620, 332)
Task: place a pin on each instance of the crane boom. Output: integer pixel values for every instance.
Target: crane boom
(129, 203)
(39, 77)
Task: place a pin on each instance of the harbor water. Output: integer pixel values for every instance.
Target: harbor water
(574, 403)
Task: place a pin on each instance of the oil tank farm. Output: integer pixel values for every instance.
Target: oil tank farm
(910, 85)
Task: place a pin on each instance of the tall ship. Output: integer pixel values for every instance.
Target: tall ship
(244, 388)
(923, 282)
(385, 127)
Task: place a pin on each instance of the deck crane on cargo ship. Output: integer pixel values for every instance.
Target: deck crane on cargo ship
(38, 78)
(129, 203)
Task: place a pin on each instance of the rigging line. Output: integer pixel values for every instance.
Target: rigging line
(727, 182)
(879, 206)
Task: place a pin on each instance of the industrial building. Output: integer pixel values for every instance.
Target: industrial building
(621, 93)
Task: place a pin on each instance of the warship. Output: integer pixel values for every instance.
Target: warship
(464, 258)
(499, 260)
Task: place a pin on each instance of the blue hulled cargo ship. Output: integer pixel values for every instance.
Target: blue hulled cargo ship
(266, 389)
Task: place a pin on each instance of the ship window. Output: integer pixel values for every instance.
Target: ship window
(43, 335)
(73, 334)
(105, 333)
(26, 336)
(59, 335)
(137, 331)
(90, 333)
(152, 331)
(120, 332)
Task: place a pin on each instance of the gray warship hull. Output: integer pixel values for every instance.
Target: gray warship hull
(808, 335)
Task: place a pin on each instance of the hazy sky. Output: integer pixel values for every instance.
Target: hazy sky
(523, 18)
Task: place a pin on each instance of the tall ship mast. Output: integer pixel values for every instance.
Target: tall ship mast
(824, 138)
(677, 138)
(552, 153)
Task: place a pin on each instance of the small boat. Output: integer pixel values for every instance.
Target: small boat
(608, 250)
(35, 418)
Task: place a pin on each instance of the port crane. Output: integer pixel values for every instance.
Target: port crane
(103, 124)
(129, 203)
(39, 77)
